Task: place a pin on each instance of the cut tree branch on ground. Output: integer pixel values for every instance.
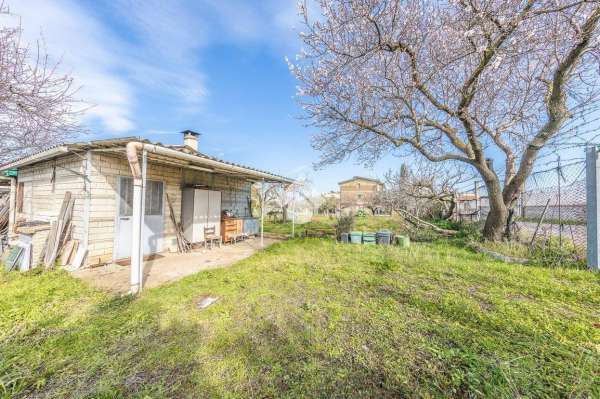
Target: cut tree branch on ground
(422, 223)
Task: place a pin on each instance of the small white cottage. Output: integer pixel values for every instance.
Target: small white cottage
(119, 184)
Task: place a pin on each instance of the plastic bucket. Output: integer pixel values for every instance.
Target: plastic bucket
(356, 237)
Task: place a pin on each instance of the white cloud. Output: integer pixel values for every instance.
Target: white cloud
(84, 48)
(147, 47)
(166, 39)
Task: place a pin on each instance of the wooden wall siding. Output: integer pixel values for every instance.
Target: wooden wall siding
(42, 198)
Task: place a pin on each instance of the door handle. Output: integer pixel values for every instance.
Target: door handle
(124, 218)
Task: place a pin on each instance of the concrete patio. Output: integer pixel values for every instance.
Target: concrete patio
(169, 267)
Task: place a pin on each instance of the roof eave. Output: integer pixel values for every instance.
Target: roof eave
(40, 156)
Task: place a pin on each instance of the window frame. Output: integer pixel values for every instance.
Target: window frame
(156, 187)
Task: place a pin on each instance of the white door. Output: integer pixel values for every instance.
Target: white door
(153, 229)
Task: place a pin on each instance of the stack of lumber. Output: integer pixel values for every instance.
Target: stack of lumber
(4, 209)
(60, 231)
(183, 245)
(67, 255)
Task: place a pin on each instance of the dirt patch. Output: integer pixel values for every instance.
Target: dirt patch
(168, 267)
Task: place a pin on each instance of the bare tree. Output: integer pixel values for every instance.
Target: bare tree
(262, 194)
(282, 196)
(328, 205)
(277, 197)
(462, 80)
(426, 188)
(37, 104)
(376, 202)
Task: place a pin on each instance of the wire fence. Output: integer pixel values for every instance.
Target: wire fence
(549, 215)
(552, 208)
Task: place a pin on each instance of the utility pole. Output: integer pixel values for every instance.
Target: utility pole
(560, 226)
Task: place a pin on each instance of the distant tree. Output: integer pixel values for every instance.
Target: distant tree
(427, 189)
(328, 205)
(458, 80)
(262, 195)
(277, 198)
(37, 103)
(376, 202)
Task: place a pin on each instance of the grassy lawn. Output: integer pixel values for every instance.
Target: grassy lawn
(311, 318)
(367, 223)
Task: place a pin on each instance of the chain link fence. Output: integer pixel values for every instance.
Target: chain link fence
(549, 215)
(552, 207)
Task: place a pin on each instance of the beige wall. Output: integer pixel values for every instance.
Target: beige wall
(106, 171)
(43, 198)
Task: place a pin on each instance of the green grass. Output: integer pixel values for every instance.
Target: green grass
(547, 253)
(367, 223)
(311, 318)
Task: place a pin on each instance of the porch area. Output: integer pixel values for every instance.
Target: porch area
(168, 267)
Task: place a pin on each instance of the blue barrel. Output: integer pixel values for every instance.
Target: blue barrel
(384, 237)
(345, 237)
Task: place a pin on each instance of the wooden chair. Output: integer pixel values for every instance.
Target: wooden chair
(210, 237)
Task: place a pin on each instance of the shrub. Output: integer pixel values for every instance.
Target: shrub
(361, 213)
(344, 224)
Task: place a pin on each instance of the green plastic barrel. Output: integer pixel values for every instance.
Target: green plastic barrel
(368, 238)
(403, 241)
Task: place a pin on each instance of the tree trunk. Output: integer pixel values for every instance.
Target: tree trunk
(450, 210)
(284, 213)
(495, 223)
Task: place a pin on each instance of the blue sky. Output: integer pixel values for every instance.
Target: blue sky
(153, 68)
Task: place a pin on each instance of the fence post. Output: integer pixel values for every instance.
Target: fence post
(592, 177)
(477, 204)
(560, 225)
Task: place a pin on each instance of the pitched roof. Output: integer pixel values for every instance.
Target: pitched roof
(360, 178)
(119, 144)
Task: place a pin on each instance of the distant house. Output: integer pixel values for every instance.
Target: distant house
(359, 193)
(468, 206)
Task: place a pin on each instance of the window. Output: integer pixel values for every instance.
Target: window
(359, 196)
(154, 197)
(126, 197)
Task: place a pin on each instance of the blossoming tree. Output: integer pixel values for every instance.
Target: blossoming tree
(38, 107)
(469, 81)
